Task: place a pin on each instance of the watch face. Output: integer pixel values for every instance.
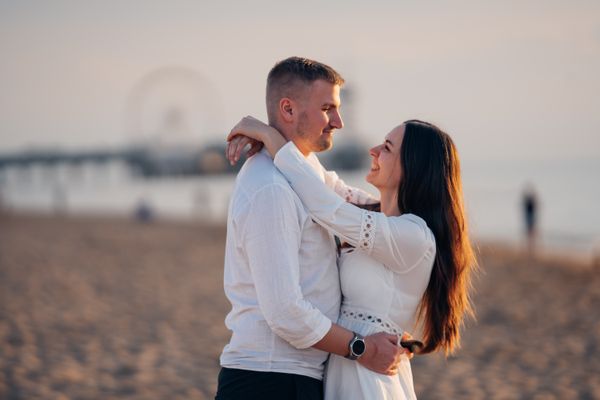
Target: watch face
(358, 347)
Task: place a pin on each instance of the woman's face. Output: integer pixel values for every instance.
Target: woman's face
(386, 170)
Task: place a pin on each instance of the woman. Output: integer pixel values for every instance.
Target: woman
(410, 263)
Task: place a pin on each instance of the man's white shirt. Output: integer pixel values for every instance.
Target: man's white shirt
(280, 276)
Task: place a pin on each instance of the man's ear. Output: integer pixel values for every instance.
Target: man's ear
(287, 109)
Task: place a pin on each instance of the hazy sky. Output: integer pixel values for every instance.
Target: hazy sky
(507, 79)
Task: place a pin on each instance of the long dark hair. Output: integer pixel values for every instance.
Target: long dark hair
(431, 188)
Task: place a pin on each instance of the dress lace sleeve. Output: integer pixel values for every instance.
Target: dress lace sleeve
(400, 243)
(349, 193)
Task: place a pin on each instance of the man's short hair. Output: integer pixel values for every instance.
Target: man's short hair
(288, 77)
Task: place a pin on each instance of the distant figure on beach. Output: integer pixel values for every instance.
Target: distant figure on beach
(143, 212)
(530, 210)
(408, 262)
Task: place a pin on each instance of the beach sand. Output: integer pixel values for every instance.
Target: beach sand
(97, 308)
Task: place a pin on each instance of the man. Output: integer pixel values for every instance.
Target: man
(280, 267)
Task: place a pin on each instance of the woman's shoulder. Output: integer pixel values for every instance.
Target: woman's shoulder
(415, 219)
(413, 226)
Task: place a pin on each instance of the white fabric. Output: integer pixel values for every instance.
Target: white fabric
(280, 273)
(348, 193)
(382, 279)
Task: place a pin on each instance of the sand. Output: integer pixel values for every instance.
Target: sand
(96, 308)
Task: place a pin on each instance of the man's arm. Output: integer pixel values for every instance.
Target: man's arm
(271, 234)
(382, 353)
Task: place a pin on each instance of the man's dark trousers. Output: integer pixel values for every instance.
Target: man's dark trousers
(237, 384)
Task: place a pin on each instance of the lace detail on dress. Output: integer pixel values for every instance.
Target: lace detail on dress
(387, 326)
(367, 231)
(349, 195)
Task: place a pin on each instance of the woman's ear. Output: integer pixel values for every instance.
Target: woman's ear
(287, 109)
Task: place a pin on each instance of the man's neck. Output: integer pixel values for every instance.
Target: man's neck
(304, 152)
(292, 137)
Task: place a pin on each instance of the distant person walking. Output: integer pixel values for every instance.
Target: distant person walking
(530, 211)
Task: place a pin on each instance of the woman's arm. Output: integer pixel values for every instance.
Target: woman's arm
(253, 132)
(249, 131)
(399, 243)
(349, 193)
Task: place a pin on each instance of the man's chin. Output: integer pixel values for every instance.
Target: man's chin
(322, 145)
(326, 145)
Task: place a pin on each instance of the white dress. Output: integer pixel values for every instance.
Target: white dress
(382, 279)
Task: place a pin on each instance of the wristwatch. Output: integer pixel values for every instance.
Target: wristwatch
(356, 346)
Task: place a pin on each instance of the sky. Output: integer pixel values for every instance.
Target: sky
(509, 80)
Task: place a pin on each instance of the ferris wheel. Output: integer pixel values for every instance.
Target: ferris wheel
(173, 106)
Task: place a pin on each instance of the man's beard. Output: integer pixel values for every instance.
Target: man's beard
(322, 142)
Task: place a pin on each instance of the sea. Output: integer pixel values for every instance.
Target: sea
(567, 192)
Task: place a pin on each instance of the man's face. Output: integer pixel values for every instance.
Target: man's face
(319, 115)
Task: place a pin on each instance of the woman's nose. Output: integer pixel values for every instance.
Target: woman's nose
(374, 151)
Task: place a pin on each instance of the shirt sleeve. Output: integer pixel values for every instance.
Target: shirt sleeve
(348, 193)
(399, 243)
(272, 237)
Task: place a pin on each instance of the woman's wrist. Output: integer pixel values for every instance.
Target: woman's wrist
(274, 141)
